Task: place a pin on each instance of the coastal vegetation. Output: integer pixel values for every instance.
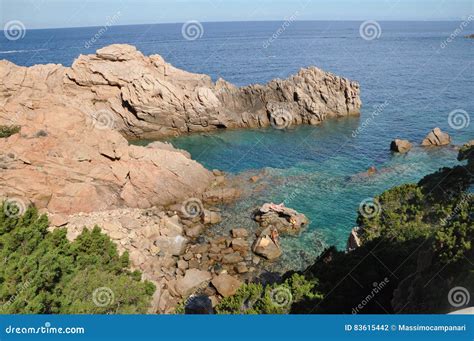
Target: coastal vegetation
(8, 130)
(414, 251)
(254, 298)
(42, 272)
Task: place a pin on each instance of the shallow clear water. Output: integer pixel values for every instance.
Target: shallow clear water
(316, 170)
(320, 171)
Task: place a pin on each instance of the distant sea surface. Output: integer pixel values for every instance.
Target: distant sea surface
(411, 75)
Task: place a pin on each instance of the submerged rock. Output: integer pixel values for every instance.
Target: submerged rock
(211, 217)
(436, 137)
(239, 233)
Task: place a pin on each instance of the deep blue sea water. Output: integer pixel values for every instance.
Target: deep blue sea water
(411, 70)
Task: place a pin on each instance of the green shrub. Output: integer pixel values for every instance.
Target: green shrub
(42, 272)
(7, 131)
(254, 298)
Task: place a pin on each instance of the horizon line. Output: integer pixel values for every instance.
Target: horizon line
(244, 21)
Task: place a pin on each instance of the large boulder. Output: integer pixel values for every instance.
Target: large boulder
(226, 285)
(174, 246)
(284, 219)
(193, 280)
(267, 245)
(436, 137)
(400, 146)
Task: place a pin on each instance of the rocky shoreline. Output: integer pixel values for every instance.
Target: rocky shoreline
(70, 158)
(174, 249)
(75, 121)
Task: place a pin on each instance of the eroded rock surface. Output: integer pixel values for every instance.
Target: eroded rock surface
(436, 137)
(71, 154)
(80, 169)
(267, 245)
(284, 219)
(226, 285)
(150, 98)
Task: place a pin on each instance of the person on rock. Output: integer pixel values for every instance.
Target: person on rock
(293, 222)
(277, 208)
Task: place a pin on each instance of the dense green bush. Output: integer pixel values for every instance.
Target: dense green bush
(42, 272)
(6, 131)
(399, 217)
(254, 298)
(421, 241)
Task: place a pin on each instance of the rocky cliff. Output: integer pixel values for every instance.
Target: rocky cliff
(72, 155)
(148, 97)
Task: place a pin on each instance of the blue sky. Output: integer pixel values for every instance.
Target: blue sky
(73, 13)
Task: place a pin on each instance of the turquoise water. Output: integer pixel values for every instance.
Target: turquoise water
(320, 171)
(410, 78)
